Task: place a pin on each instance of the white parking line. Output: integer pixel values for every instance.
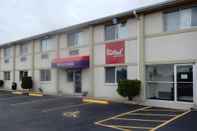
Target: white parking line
(65, 107)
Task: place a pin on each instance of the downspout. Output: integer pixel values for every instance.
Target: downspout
(92, 61)
(33, 63)
(141, 52)
(14, 62)
(58, 71)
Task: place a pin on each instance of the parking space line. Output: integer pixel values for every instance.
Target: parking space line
(126, 119)
(112, 126)
(65, 107)
(150, 114)
(122, 114)
(171, 120)
(133, 127)
(176, 111)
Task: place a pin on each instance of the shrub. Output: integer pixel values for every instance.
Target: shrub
(27, 83)
(14, 85)
(129, 88)
(1, 83)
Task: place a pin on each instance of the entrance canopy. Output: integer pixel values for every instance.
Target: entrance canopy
(71, 62)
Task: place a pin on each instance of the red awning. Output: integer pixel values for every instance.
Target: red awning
(71, 62)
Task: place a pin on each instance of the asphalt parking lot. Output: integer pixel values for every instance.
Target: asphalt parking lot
(52, 113)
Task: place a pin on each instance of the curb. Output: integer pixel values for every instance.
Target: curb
(94, 100)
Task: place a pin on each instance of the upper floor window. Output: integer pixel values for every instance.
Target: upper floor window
(23, 50)
(45, 45)
(75, 39)
(180, 19)
(7, 54)
(117, 31)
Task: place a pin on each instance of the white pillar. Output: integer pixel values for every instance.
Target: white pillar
(141, 54)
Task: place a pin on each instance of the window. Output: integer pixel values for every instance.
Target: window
(171, 21)
(110, 75)
(75, 39)
(114, 74)
(73, 52)
(22, 74)
(6, 75)
(160, 82)
(180, 19)
(45, 45)
(113, 32)
(23, 52)
(45, 75)
(70, 76)
(7, 54)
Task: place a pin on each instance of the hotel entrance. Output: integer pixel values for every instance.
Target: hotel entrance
(170, 82)
(74, 66)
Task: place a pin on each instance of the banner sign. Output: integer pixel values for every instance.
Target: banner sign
(115, 52)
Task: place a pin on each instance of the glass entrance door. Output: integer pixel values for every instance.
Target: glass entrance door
(77, 81)
(184, 82)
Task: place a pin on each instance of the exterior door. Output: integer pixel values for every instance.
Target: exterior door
(184, 82)
(77, 81)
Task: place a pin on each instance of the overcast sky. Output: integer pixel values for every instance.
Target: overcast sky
(23, 18)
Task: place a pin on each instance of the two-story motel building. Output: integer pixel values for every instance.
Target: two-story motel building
(156, 44)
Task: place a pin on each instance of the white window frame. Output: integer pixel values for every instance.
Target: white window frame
(44, 77)
(7, 54)
(116, 69)
(6, 75)
(181, 25)
(174, 83)
(73, 39)
(23, 50)
(45, 45)
(117, 31)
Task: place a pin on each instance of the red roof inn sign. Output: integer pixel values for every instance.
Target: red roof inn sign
(115, 52)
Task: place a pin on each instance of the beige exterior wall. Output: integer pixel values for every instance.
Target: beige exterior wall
(105, 90)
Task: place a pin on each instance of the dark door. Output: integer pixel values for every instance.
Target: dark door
(185, 83)
(77, 81)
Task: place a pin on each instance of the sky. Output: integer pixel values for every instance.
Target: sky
(24, 18)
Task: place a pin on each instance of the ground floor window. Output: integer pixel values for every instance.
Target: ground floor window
(169, 82)
(6, 75)
(114, 74)
(45, 75)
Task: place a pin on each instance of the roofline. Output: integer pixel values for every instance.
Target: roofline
(97, 21)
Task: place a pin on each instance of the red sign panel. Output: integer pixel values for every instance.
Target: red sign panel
(115, 52)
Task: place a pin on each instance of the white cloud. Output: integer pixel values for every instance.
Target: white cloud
(22, 18)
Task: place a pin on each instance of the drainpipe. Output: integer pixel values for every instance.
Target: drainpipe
(141, 52)
(58, 71)
(14, 62)
(92, 61)
(33, 62)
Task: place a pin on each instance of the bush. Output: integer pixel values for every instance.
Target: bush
(14, 85)
(1, 83)
(27, 83)
(129, 88)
